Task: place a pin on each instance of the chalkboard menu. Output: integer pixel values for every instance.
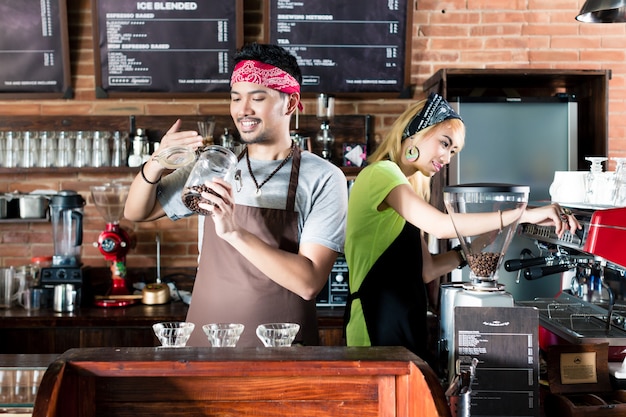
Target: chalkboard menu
(345, 46)
(34, 49)
(165, 48)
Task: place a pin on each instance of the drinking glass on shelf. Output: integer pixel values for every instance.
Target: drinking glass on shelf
(28, 155)
(119, 151)
(2, 148)
(12, 150)
(47, 149)
(100, 149)
(7, 382)
(64, 149)
(82, 150)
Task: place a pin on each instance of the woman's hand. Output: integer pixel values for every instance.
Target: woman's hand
(552, 215)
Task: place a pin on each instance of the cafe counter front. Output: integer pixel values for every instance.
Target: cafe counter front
(284, 381)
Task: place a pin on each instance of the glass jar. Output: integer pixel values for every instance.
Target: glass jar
(37, 263)
(214, 162)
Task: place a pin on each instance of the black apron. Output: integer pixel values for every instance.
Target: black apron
(229, 289)
(393, 296)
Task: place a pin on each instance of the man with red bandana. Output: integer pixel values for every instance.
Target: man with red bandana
(267, 248)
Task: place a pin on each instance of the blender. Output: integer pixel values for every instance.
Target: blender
(66, 215)
(113, 242)
(484, 254)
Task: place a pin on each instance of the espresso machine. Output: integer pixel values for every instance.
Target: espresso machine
(66, 216)
(591, 264)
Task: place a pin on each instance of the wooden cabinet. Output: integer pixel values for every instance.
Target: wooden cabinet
(294, 381)
(44, 332)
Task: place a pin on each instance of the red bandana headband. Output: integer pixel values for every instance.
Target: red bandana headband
(266, 75)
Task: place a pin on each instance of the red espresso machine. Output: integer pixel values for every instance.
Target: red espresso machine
(113, 242)
(591, 264)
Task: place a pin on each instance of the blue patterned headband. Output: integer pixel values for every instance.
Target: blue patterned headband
(436, 110)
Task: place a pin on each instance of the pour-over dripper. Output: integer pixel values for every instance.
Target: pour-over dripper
(484, 252)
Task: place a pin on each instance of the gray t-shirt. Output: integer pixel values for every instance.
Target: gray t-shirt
(321, 197)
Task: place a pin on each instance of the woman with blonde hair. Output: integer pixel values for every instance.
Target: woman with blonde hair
(388, 213)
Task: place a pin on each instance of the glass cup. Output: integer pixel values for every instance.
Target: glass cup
(11, 149)
(119, 149)
(65, 149)
(2, 148)
(31, 298)
(22, 389)
(7, 382)
(28, 156)
(82, 149)
(174, 333)
(11, 287)
(100, 149)
(277, 334)
(223, 334)
(47, 149)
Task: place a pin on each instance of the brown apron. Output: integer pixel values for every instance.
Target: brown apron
(229, 289)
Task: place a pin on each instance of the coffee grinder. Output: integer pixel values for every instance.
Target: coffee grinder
(484, 254)
(113, 242)
(66, 216)
(325, 113)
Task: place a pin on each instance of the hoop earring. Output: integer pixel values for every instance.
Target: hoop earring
(412, 153)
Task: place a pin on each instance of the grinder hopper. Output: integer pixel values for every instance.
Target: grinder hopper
(484, 252)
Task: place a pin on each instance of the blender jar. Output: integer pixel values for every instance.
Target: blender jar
(66, 214)
(484, 252)
(214, 162)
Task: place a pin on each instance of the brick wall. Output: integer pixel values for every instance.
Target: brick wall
(453, 34)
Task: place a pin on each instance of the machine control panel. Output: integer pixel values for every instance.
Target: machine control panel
(335, 292)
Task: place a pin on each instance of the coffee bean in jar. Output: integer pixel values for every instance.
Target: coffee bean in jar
(214, 162)
(483, 264)
(192, 197)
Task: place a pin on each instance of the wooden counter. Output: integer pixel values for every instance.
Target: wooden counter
(44, 331)
(295, 381)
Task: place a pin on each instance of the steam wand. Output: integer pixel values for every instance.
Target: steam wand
(609, 317)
